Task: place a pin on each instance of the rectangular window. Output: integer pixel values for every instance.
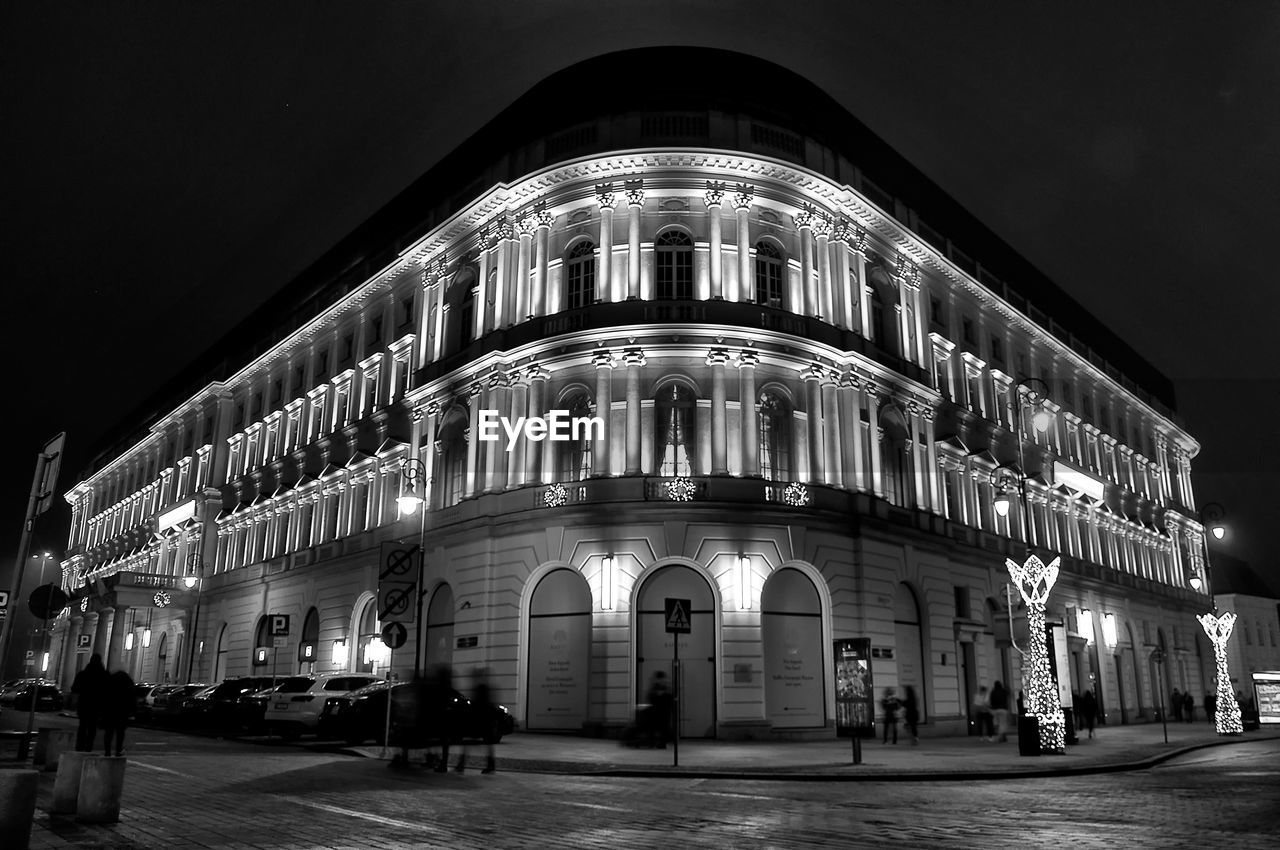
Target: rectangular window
(962, 602)
(1086, 407)
(348, 346)
(935, 311)
(299, 375)
(322, 364)
(374, 341)
(997, 350)
(277, 390)
(966, 325)
(239, 420)
(406, 310)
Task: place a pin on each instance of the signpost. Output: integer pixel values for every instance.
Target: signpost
(46, 602)
(279, 628)
(400, 592)
(678, 623)
(1157, 657)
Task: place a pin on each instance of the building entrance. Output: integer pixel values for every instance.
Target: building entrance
(655, 648)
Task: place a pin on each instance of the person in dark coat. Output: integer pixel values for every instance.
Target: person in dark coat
(911, 713)
(1000, 708)
(1176, 703)
(1089, 710)
(481, 720)
(1210, 703)
(658, 715)
(1188, 707)
(889, 706)
(89, 686)
(118, 705)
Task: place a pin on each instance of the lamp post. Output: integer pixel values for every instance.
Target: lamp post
(193, 579)
(1034, 580)
(1211, 517)
(412, 500)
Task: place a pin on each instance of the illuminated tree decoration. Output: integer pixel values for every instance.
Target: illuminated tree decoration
(680, 490)
(556, 495)
(796, 495)
(1227, 716)
(1034, 580)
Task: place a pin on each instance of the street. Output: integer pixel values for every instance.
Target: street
(190, 791)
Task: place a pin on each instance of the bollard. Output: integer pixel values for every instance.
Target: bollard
(52, 743)
(66, 785)
(17, 806)
(857, 748)
(101, 781)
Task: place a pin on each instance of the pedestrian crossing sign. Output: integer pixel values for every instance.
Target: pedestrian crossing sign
(678, 621)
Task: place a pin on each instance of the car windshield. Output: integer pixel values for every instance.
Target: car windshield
(296, 685)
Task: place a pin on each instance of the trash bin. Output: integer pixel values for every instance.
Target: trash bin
(1028, 735)
(17, 806)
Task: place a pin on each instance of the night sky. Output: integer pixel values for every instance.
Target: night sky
(166, 167)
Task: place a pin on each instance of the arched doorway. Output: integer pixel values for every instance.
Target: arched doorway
(438, 634)
(795, 680)
(162, 659)
(220, 655)
(655, 649)
(908, 646)
(559, 651)
(309, 646)
(372, 655)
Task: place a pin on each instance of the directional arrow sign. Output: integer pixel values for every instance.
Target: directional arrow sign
(394, 635)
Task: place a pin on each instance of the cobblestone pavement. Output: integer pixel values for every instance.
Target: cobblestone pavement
(290, 799)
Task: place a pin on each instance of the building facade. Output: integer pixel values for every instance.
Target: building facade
(811, 405)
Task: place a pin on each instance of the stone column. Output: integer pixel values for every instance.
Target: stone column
(861, 296)
(812, 376)
(842, 309)
(537, 377)
(495, 453)
(918, 456)
(741, 208)
(479, 320)
(849, 396)
(635, 204)
(931, 459)
(115, 648)
(505, 233)
(821, 230)
(70, 642)
(522, 308)
(750, 423)
(475, 400)
(716, 359)
(901, 275)
(831, 422)
(713, 198)
(808, 284)
(602, 452)
(605, 288)
(634, 360)
(519, 403)
(873, 433)
(538, 305)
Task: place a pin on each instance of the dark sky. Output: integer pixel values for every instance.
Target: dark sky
(166, 167)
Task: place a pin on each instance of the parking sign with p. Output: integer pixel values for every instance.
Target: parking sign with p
(279, 625)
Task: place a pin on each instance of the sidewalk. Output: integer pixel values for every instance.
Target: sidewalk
(1113, 748)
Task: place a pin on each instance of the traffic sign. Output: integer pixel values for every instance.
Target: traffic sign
(398, 582)
(47, 601)
(394, 635)
(678, 620)
(4, 599)
(279, 625)
(83, 641)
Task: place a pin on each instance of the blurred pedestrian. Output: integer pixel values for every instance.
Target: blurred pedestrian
(1089, 710)
(1000, 708)
(911, 713)
(981, 711)
(1210, 703)
(89, 686)
(1176, 702)
(658, 714)
(1188, 707)
(482, 720)
(118, 705)
(889, 706)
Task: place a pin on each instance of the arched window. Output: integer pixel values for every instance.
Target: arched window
(309, 646)
(369, 644)
(675, 431)
(674, 267)
(575, 455)
(877, 318)
(769, 286)
(452, 462)
(467, 316)
(580, 275)
(262, 643)
(775, 437)
(893, 448)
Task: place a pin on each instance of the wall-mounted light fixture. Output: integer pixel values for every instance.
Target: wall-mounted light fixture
(744, 582)
(606, 583)
(308, 651)
(340, 651)
(1085, 624)
(146, 638)
(260, 655)
(1109, 629)
(128, 642)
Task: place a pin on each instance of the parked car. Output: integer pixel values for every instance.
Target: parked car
(144, 707)
(167, 706)
(20, 694)
(295, 706)
(362, 716)
(228, 704)
(140, 691)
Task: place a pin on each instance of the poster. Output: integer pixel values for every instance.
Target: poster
(855, 691)
(1266, 688)
(559, 648)
(794, 692)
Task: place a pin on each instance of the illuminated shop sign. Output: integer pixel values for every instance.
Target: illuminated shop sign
(557, 426)
(1078, 481)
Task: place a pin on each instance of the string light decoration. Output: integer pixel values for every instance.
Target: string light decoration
(1034, 579)
(1227, 715)
(796, 495)
(680, 490)
(556, 495)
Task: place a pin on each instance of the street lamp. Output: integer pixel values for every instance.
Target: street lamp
(1211, 517)
(414, 480)
(192, 580)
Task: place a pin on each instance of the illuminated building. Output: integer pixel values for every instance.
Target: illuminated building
(807, 358)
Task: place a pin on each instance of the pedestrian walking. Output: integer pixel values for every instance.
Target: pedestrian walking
(911, 713)
(658, 715)
(1176, 703)
(1000, 708)
(889, 706)
(1188, 707)
(1210, 703)
(483, 721)
(89, 686)
(118, 705)
(1089, 710)
(981, 711)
